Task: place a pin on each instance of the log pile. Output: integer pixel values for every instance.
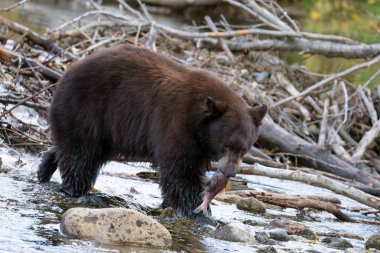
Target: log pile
(324, 125)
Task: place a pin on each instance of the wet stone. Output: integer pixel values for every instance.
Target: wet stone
(114, 226)
(294, 228)
(354, 250)
(279, 234)
(234, 233)
(373, 242)
(340, 243)
(262, 237)
(251, 205)
(267, 250)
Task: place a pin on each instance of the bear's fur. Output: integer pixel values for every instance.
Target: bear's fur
(131, 101)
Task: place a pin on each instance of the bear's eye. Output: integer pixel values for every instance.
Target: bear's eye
(225, 147)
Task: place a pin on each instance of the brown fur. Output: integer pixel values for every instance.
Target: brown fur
(130, 101)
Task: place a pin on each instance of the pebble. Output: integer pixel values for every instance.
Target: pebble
(340, 243)
(294, 228)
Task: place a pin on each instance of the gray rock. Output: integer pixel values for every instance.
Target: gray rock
(251, 205)
(340, 243)
(298, 238)
(269, 249)
(279, 234)
(294, 228)
(262, 237)
(234, 233)
(354, 250)
(114, 226)
(373, 242)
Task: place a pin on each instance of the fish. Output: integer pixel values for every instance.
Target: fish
(216, 184)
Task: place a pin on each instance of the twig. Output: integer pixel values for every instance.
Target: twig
(9, 8)
(26, 99)
(266, 15)
(47, 44)
(328, 79)
(7, 55)
(367, 139)
(324, 123)
(369, 105)
(221, 41)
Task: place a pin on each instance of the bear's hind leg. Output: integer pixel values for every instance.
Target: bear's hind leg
(79, 169)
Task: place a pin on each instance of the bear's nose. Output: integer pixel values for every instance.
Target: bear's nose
(228, 172)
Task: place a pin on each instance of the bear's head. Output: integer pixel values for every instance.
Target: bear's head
(231, 130)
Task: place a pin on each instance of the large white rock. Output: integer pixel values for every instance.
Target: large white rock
(114, 226)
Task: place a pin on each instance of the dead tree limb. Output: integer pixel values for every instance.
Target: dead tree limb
(317, 180)
(326, 48)
(297, 202)
(274, 136)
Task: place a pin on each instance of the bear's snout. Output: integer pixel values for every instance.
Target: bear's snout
(229, 164)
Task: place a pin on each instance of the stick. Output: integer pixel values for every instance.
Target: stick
(367, 139)
(328, 79)
(26, 99)
(51, 74)
(221, 41)
(369, 105)
(9, 8)
(324, 123)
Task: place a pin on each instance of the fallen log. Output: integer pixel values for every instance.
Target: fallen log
(317, 180)
(275, 137)
(297, 202)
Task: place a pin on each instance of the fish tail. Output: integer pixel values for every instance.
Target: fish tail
(201, 208)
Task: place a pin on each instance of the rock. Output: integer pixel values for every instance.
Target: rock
(234, 233)
(298, 238)
(227, 198)
(294, 228)
(114, 226)
(267, 250)
(279, 234)
(354, 250)
(251, 205)
(340, 243)
(373, 242)
(262, 237)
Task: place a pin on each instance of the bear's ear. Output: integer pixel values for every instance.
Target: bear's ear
(258, 113)
(214, 108)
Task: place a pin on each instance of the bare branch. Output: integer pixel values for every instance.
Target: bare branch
(328, 79)
(9, 8)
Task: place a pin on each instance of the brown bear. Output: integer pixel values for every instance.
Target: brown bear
(130, 101)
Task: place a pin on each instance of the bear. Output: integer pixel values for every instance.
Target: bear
(130, 101)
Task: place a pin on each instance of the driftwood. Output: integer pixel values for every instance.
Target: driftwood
(274, 136)
(317, 180)
(297, 202)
